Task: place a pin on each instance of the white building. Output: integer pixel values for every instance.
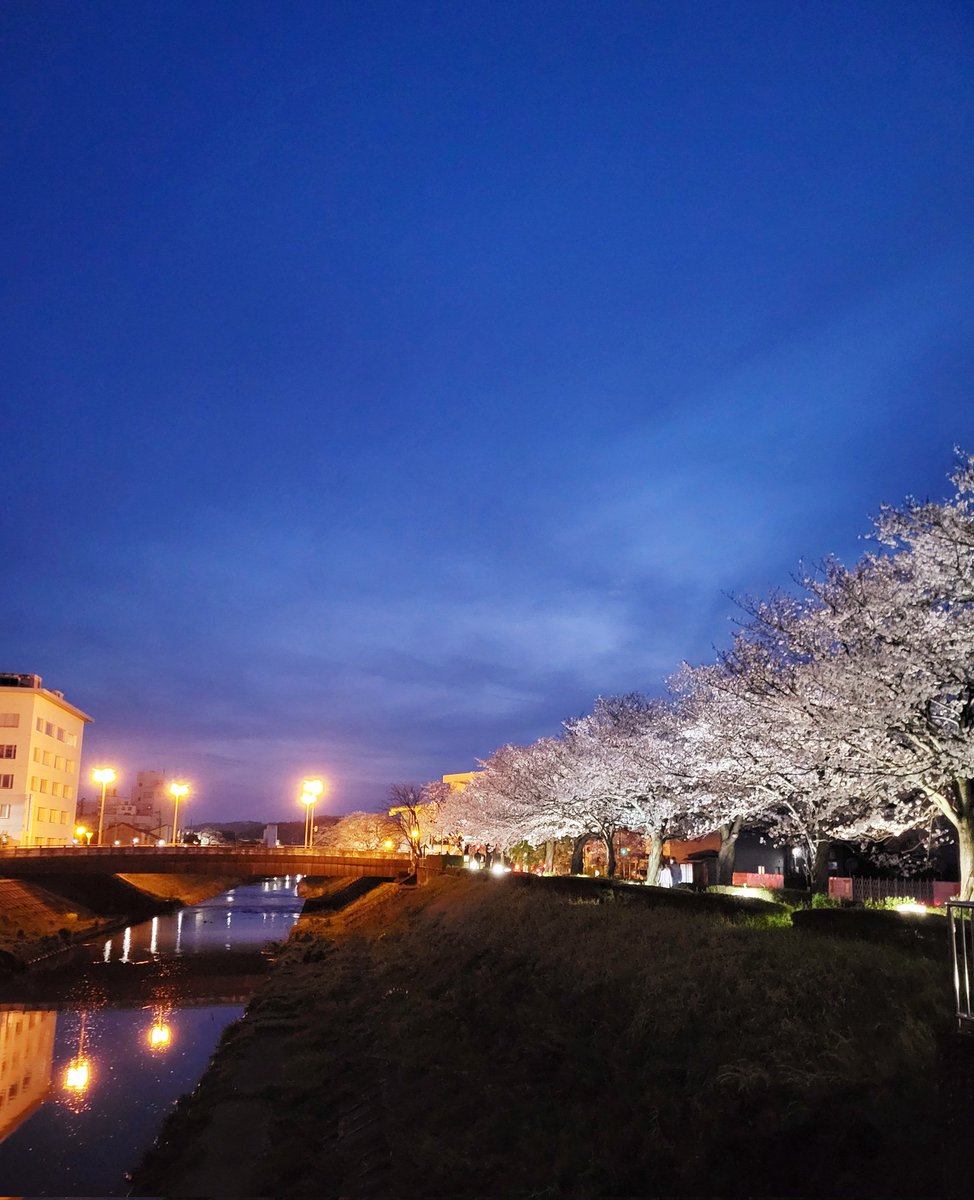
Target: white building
(40, 757)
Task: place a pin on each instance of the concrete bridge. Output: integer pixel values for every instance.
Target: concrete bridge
(247, 862)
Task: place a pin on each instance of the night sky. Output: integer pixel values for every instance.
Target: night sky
(384, 381)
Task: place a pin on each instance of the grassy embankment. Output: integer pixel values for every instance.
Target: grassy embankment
(36, 921)
(483, 1038)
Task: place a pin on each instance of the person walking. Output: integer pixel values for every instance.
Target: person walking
(676, 874)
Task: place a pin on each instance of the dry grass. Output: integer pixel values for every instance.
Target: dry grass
(515, 1042)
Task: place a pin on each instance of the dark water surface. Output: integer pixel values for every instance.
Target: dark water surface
(87, 1072)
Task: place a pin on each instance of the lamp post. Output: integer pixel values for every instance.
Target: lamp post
(177, 791)
(104, 776)
(311, 789)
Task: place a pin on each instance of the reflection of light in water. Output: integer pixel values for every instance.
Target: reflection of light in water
(179, 931)
(78, 1073)
(126, 943)
(159, 1036)
(106, 957)
(154, 940)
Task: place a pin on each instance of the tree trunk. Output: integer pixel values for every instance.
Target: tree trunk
(964, 821)
(728, 847)
(819, 866)
(610, 854)
(655, 857)
(549, 857)
(578, 855)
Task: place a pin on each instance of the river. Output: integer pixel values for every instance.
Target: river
(95, 1050)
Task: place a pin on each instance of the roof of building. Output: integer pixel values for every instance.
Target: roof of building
(33, 683)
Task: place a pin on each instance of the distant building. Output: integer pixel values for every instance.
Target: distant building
(148, 811)
(40, 756)
(128, 833)
(150, 796)
(458, 782)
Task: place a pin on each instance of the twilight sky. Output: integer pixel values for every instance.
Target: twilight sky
(384, 381)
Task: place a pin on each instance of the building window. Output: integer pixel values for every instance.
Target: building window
(8, 751)
(71, 739)
(9, 720)
(60, 734)
(58, 763)
(33, 783)
(66, 793)
(64, 815)
(69, 765)
(55, 788)
(46, 758)
(4, 811)
(37, 754)
(43, 786)
(49, 728)
(6, 781)
(40, 725)
(42, 814)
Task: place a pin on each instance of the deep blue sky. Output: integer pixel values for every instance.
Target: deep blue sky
(383, 381)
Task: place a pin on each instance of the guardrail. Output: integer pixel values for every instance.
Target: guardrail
(960, 914)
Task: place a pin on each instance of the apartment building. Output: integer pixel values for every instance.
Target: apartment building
(40, 758)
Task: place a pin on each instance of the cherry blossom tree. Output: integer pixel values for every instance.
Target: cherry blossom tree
(637, 768)
(359, 832)
(866, 684)
(723, 790)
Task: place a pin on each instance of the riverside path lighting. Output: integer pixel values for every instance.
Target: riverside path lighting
(311, 789)
(178, 791)
(104, 776)
(84, 832)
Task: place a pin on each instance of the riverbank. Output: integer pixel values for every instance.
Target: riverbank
(478, 1038)
(37, 922)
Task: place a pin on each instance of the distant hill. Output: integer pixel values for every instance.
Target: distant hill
(289, 833)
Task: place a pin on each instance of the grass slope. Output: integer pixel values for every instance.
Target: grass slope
(496, 1040)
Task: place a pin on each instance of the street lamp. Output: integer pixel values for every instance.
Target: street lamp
(104, 776)
(177, 791)
(311, 789)
(83, 831)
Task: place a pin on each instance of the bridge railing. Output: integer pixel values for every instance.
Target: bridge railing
(141, 851)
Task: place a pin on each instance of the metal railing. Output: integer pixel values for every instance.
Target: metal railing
(865, 888)
(960, 914)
